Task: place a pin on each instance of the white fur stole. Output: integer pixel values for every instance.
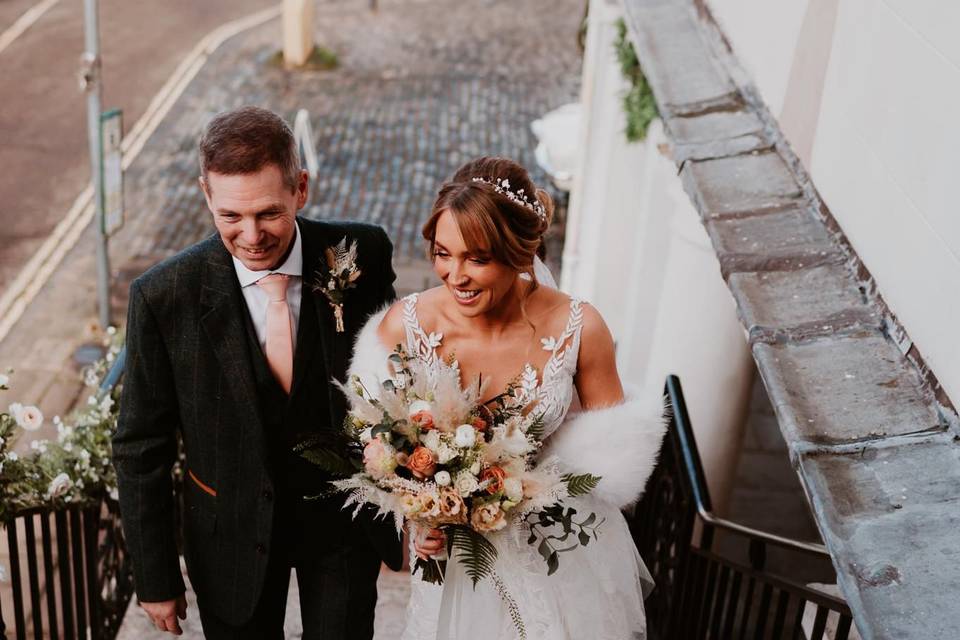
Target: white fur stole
(619, 443)
(370, 356)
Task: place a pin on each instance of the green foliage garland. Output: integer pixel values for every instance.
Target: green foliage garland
(638, 102)
(74, 469)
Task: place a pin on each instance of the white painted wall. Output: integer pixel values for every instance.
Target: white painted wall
(764, 34)
(607, 186)
(882, 141)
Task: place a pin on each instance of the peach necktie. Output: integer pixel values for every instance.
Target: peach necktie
(279, 345)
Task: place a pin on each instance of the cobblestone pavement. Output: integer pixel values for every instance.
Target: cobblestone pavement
(423, 85)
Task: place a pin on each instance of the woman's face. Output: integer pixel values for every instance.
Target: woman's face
(478, 283)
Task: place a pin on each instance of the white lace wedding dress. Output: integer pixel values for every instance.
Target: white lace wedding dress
(597, 593)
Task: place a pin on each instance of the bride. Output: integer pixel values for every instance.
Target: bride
(500, 325)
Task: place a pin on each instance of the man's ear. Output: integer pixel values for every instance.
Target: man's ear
(206, 192)
(303, 189)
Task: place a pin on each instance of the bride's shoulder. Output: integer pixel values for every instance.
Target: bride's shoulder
(392, 329)
(562, 311)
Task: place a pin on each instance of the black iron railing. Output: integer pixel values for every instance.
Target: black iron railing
(701, 594)
(69, 574)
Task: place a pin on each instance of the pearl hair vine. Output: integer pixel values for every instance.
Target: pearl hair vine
(502, 185)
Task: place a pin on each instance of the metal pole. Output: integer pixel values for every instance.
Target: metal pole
(91, 81)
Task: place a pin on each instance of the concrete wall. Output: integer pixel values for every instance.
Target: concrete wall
(865, 91)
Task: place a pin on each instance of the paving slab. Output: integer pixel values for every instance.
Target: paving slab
(877, 499)
(753, 183)
(685, 76)
(844, 389)
(776, 306)
(783, 240)
(710, 127)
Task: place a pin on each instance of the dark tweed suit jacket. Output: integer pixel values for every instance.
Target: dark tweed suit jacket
(189, 369)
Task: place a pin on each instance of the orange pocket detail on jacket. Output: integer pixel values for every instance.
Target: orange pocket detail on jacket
(204, 487)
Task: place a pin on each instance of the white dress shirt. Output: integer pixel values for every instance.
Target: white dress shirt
(256, 298)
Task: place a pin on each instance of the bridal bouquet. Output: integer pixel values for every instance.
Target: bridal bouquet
(428, 451)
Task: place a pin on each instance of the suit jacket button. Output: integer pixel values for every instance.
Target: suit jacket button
(267, 495)
(261, 548)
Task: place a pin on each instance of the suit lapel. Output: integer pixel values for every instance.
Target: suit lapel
(222, 308)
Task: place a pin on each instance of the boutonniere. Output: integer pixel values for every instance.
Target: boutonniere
(337, 276)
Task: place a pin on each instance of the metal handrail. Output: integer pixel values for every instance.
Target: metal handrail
(701, 494)
(113, 374)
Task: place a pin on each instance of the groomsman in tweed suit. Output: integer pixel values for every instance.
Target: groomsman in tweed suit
(230, 345)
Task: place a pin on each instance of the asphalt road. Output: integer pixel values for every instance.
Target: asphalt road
(44, 162)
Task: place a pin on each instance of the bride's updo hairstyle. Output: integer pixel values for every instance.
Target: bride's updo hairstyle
(499, 211)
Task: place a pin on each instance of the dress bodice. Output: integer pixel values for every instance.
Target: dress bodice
(552, 390)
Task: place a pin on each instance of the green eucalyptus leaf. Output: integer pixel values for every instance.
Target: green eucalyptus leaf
(544, 549)
(553, 563)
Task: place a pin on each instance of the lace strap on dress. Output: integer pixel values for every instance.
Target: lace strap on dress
(565, 350)
(419, 343)
(575, 327)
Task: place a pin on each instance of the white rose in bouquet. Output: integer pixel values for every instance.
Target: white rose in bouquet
(442, 478)
(513, 489)
(466, 483)
(465, 436)
(431, 440)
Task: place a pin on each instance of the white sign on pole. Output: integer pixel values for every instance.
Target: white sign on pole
(111, 132)
(303, 134)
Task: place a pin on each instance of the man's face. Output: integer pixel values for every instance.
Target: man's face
(255, 214)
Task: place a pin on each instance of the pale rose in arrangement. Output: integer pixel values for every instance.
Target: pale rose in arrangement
(410, 504)
(379, 458)
(431, 440)
(466, 483)
(442, 478)
(60, 485)
(494, 476)
(29, 417)
(429, 504)
(452, 508)
(488, 517)
(422, 462)
(513, 489)
(465, 436)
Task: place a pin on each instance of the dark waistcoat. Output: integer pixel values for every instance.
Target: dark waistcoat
(288, 420)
